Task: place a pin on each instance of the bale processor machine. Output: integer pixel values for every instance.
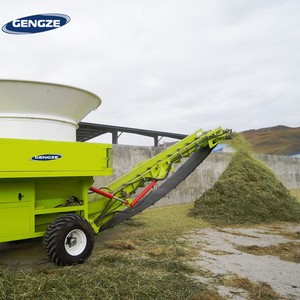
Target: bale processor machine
(46, 177)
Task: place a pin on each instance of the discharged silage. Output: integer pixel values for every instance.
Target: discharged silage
(247, 193)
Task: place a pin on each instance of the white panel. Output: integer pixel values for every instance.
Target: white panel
(36, 110)
(35, 129)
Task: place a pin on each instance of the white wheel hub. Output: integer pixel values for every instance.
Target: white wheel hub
(75, 242)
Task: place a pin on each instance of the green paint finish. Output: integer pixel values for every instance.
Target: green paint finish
(40, 180)
(30, 158)
(35, 190)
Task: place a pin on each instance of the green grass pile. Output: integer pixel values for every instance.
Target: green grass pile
(246, 193)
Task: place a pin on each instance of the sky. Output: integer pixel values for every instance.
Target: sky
(167, 65)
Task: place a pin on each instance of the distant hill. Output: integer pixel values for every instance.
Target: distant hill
(278, 140)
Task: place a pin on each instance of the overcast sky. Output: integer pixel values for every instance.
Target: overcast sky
(169, 65)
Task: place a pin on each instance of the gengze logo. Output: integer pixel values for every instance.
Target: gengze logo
(46, 157)
(36, 23)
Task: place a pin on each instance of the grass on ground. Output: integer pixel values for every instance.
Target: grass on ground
(260, 290)
(289, 251)
(139, 259)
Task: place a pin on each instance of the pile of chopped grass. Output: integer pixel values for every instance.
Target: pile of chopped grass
(247, 193)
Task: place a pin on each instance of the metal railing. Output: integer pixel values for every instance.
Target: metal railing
(87, 131)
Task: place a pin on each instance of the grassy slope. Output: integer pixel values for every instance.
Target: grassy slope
(278, 140)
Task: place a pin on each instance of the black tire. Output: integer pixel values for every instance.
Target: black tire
(69, 240)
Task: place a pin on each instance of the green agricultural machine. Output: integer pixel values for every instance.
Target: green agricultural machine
(47, 187)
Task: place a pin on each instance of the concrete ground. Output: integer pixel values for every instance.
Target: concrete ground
(264, 254)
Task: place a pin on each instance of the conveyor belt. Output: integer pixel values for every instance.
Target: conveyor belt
(168, 185)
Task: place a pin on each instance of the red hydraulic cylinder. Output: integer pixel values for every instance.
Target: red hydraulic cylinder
(101, 192)
(143, 193)
(105, 194)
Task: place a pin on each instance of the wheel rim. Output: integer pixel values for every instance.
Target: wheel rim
(75, 242)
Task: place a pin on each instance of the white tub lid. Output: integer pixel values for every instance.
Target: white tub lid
(40, 100)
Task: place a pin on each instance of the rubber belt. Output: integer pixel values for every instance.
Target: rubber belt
(168, 185)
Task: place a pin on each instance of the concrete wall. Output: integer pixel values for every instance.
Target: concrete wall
(286, 168)
(126, 157)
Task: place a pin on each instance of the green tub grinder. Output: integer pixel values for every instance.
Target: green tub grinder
(46, 189)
